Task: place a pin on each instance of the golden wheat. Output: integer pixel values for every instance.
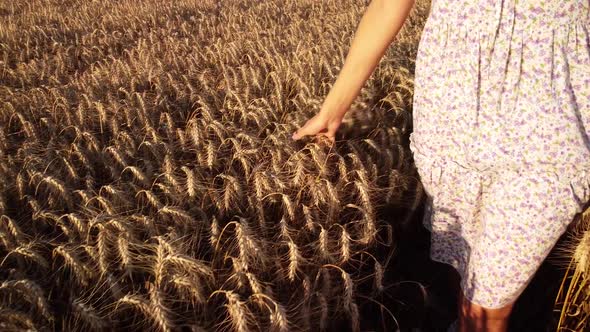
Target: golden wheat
(573, 298)
(149, 171)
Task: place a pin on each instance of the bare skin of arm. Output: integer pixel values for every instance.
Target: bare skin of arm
(378, 27)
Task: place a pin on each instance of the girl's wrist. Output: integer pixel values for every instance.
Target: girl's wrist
(331, 112)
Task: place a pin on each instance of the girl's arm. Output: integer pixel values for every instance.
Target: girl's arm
(378, 27)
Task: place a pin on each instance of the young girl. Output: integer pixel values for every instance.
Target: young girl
(501, 126)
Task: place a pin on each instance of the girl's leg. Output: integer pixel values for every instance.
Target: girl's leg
(475, 318)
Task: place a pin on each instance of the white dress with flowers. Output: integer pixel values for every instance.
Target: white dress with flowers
(501, 135)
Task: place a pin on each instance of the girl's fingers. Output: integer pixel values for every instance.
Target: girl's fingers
(303, 131)
(328, 136)
(300, 132)
(297, 134)
(316, 126)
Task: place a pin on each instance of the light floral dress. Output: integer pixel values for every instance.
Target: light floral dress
(501, 135)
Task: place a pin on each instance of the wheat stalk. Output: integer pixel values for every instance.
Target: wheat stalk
(27, 251)
(89, 315)
(294, 259)
(31, 292)
(71, 259)
(240, 317)
(278, 315)
(324, 245)
(159, 312)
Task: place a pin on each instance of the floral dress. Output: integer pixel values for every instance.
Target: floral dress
(501, 135)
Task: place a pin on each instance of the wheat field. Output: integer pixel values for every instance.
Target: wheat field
(150, 182)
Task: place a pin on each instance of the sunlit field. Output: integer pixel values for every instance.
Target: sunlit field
(150, 182)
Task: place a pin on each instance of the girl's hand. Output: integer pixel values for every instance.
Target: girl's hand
(323, 124)
(377, 29)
